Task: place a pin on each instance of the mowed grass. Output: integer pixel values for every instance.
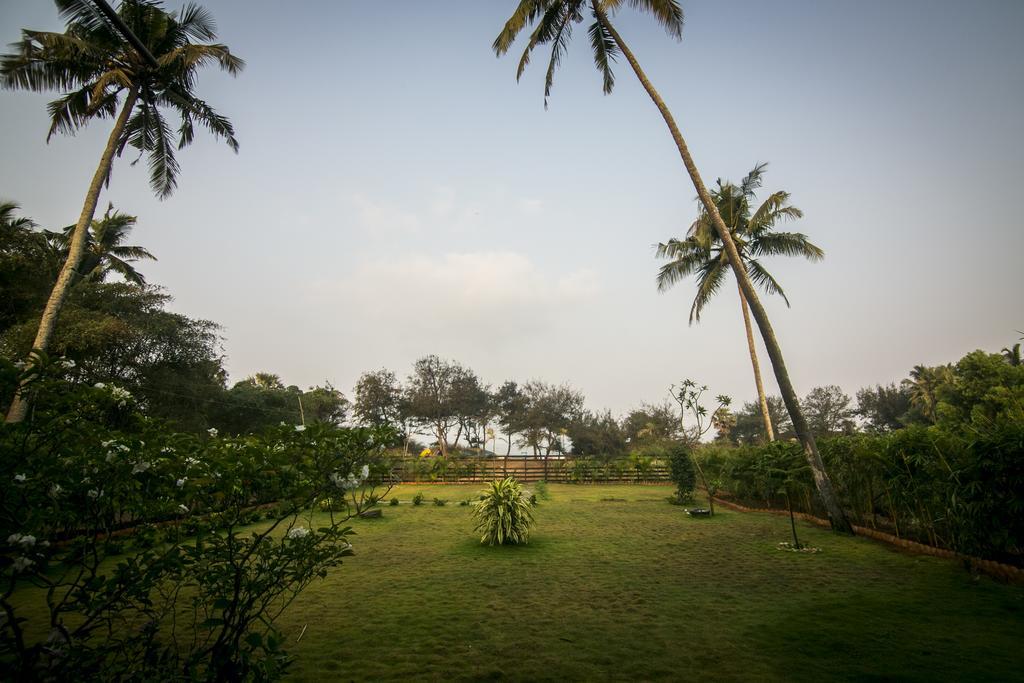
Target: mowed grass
(616, 584)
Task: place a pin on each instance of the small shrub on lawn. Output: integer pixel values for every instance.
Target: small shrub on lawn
(440, 502)
(541, 490)
(393, 502)
(417, 499)
(503, 514)
(464, 503)
(683, 474)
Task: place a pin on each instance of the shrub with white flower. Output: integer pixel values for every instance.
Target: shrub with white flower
(193, 501)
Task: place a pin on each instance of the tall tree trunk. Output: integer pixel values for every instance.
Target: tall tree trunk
(762, 399)
(76, 250)
(821, 479)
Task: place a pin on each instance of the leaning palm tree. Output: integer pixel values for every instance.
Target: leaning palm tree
(99, 71)
(104, 251)
(754, 235)
(554, 21)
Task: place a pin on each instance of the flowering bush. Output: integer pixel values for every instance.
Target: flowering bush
(198, 593)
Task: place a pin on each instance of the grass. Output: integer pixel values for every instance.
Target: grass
(617, 584)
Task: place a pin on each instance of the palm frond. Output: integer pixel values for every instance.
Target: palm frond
(708, 283)
(752, 180)
(687, 257)
(772, 209)
(763, 279)
(605, 52)
(785, 244)
(197, 23)
(525, 14)
(668, 12)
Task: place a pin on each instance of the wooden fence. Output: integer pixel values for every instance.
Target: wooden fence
(530, 469)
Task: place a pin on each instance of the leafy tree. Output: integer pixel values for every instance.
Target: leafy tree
(256, 403)
(325, 405)
(753, 233)
(597, 434)
(378, 399)
(749, 427)
(510, 407)
(550, 412)
(104, 251)
(430, 397)
(95, 67)
(982, 389)
(123, 334)
(829, 411)
(651, 423)
(884, 407)
(472, 408)
(28, 266)
(554, 21)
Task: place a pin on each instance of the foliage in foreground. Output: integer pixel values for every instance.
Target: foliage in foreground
(135, 543)
(503, 515)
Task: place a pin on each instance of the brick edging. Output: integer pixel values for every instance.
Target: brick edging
(999, 570)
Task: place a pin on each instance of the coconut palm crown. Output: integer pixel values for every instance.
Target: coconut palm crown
(95, 67)
(555, 20)
(753, 233)
(105, 252)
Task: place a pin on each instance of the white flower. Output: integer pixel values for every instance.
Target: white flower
(100, 385)
(20, 478)
(20, 364)
(21, 564)
(300, 428)
(212, 431)
(55, 490)
(365, 472)
(191, 461)
(183, 508)
(166, 450)
(13, 538)
(94, 493)
(181, 482)
(141, 466)
(67, 363)
(298, 532)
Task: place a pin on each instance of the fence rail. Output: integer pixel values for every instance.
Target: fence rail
(529, 470)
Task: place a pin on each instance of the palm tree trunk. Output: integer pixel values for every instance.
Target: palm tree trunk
(824, 485)
(76, 250)
(762, 399)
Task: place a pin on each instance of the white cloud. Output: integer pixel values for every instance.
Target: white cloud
(531, 206)
(459, 296)
(380, 217)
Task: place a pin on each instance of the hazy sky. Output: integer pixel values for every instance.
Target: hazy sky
(397, 192)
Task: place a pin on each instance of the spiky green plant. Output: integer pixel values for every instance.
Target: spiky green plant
(502, 514)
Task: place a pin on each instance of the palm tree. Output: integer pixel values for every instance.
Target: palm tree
(1012, 355)
(554, 21)
(11, 225)
(98, 72)
(752, 232)
(104, 253)
(924, 385)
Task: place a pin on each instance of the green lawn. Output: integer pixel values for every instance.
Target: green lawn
(631, 588)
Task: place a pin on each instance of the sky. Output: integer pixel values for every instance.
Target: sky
(397, 193)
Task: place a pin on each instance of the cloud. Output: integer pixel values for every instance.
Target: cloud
(379, 217)
(460, 296)
(531, 206)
